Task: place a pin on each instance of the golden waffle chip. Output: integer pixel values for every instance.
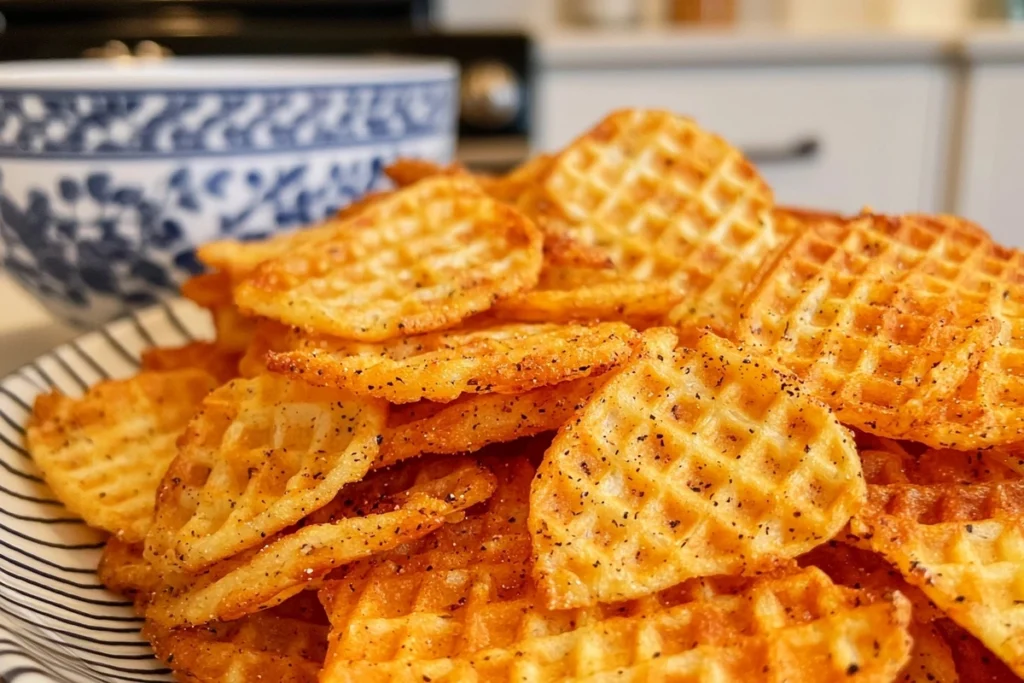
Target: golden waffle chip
(474, 627)
(422, 259)
(687, 462)
(237, 259)
(512, 186)
(262, 454)
(286, 645)
(199, 355)
(371, 517)
(975, 663)
(209, 290)
(964, 547)
(103, 454)
(407, 171)
(942, 466)
(671, 203)
(233, 329)
(472, 422)
(931, 659)
(124, 570)
(865, 570)
(509, 359)
(908, 327)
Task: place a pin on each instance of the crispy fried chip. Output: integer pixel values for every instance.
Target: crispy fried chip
(975, 663)
(910, 327)
(931, 659)
(688, 462)
(286, 644)
(422, 259)
(472, 422)
(940, 466)
(103, 454)
(263, 453)
(509, 359)
(206, 356)
(209, 290)
(213, 292)
(238, 259)
(407, 171)
(370, 517)
(671, 203)
(124, 570)
(482, 623)
(964, 547)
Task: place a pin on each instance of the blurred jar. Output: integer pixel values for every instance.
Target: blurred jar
(718, 12)
(605, 13)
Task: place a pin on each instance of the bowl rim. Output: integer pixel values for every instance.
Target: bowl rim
(220, 73)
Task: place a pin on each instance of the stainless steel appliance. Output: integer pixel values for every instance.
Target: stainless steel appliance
(496, 70)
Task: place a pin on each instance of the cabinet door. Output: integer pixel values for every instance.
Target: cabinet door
(992, 165)
(837, 137)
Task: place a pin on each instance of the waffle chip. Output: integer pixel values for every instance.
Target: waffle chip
(468, 424)
(908, 327)
(508, 359)
(209, 290)
(200, 355)
(103, 454)
(688, 462)
(671, 204)
(408, 171)
(422, 259)
(479, 625)
(963, 546)
(237, 259)
(940, 466)
(124, 570)
(975, 663)
(262, 454)
(931, 659)
(286, 644)
(370, 517)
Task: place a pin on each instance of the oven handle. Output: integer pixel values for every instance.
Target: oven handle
(802, 149)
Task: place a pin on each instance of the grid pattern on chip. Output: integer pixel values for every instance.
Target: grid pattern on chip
(260, 455)
(669, 202)
(104, 453)
(908, 327)
(940, 466)
(421, 259)
(772, 627)
(688, 462)
(357, 526)
(506, 359)
(273, 645)
(967, 556)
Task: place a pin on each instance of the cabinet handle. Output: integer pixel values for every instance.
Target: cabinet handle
(799, 150)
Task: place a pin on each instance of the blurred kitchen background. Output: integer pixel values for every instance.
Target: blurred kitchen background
(900, 105)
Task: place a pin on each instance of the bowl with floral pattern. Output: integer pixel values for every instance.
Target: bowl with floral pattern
(113, 172)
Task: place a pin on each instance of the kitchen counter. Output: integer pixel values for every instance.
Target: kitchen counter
(595, 48)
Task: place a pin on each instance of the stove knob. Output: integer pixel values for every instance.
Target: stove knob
(491, 95)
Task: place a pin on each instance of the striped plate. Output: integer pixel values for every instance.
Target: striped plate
(57, 623)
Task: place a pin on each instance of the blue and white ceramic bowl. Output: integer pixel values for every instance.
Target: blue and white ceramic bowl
(111, 173)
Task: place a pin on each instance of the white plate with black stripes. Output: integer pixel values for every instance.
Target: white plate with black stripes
(57, 623)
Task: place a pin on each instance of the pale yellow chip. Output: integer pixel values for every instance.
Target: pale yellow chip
(909, 327)
(103, 454)
(285, 645)
(686, 463)
(262, 454)
(479, 624)
(472, 422)
(370, 517)
(237, 259)
(422, 259)
(200, 355)
(964, 547)
(671, 204)
(508, 359)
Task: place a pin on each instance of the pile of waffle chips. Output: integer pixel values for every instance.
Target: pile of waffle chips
(612, 416)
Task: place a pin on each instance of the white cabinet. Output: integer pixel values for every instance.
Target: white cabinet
(991, 178)
(829, 135)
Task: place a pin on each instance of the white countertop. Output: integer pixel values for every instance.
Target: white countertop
(576, 48)
(27, 330)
